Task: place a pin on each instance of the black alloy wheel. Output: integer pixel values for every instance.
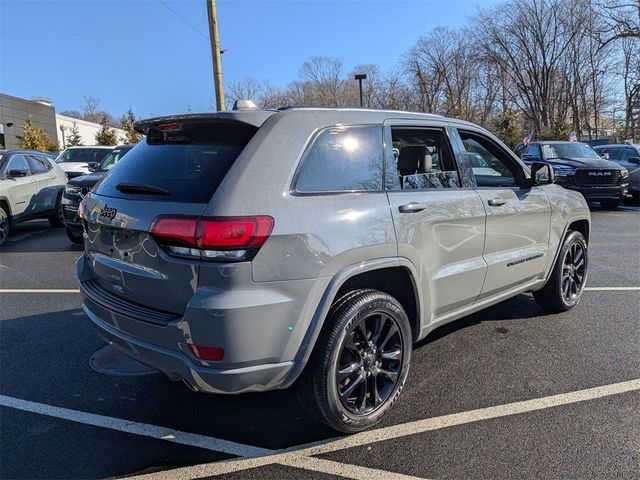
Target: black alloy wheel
(574, 269)
(568, 277)
(369, 363)
(360, 361)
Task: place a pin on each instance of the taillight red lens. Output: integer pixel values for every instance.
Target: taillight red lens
(214, 354)
(213, 233)
(234, 232)
(177, 229)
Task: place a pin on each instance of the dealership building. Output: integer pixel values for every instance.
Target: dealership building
(15, 111)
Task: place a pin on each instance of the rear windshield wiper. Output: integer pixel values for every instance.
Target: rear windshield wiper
(141, 188)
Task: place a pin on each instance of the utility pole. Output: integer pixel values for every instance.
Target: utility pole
(215, 54)
(360, 77)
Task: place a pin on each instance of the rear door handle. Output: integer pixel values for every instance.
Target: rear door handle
(412, 207)
(496, 202)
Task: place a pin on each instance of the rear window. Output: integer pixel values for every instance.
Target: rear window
(187, 165)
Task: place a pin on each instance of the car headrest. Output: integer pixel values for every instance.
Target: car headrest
(409, 159)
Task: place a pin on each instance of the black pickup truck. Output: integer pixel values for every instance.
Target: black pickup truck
(577, 166)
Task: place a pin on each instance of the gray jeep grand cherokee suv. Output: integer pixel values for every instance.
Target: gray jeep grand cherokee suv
(242, 251)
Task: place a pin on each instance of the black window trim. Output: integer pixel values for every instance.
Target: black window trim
(293, 191)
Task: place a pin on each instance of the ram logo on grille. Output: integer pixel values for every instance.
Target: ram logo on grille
(599, 174)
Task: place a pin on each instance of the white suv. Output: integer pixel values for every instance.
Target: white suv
(31, 186)
(75, 160)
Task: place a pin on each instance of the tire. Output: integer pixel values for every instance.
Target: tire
(5, 226)
(360, 362)
(73, 237)
(565, 285)
(610, 204)
(57, 220)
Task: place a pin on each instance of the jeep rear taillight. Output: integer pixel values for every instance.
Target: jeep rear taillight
(212, 238)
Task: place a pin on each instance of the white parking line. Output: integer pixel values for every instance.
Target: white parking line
(39, 290)
(299, 456)
(611, 289)
(144, 429)
(343, 469)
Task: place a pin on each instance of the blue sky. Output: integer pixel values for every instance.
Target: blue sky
(154, 56)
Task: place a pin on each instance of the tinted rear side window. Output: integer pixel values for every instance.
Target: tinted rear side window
(189, 164)
(343, 159)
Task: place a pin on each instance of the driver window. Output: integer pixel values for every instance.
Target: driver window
(490, 167)
(18, 162)
(422, 160)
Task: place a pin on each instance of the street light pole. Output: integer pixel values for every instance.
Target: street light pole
(64, 142)
(215, 54)
(360, 77)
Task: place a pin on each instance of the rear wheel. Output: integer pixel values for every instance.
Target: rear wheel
(5, 226)
(74, 237)
(568, 277)
(610, 204)
(360, 362)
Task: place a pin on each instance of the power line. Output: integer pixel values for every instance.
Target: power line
(184, 20)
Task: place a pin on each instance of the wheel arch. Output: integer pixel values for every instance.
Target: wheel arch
(379, 274)
(583, 226)
(4, 203)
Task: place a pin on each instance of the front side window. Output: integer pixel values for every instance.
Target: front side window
(532, 151)
(19, 163)
(113, 158)
(491, 167)
(342, 159)
(422, 159)
(629, 153)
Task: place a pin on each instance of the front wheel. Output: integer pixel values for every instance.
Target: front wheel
(360, 362)
(568, 277)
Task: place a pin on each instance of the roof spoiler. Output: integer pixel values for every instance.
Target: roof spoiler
(249, 117)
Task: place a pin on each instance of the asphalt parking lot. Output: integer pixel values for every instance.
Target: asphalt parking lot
(509, 392)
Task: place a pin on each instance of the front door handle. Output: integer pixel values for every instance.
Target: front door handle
(412, 207)
(496, 202)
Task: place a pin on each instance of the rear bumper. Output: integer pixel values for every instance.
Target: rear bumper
(180, 367)
(261, 327)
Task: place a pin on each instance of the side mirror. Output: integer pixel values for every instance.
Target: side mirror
(17, 173)
(529, 158)
(635, 160)
(542, 174)
(93, 166)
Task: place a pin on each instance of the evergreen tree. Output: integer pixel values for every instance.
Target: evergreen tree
(34, 137)
(508, 129)
(106, 135)
(74, 138)
(127, 124)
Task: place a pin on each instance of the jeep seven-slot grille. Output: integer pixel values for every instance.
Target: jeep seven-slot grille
(597, 177)
(106, 299)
